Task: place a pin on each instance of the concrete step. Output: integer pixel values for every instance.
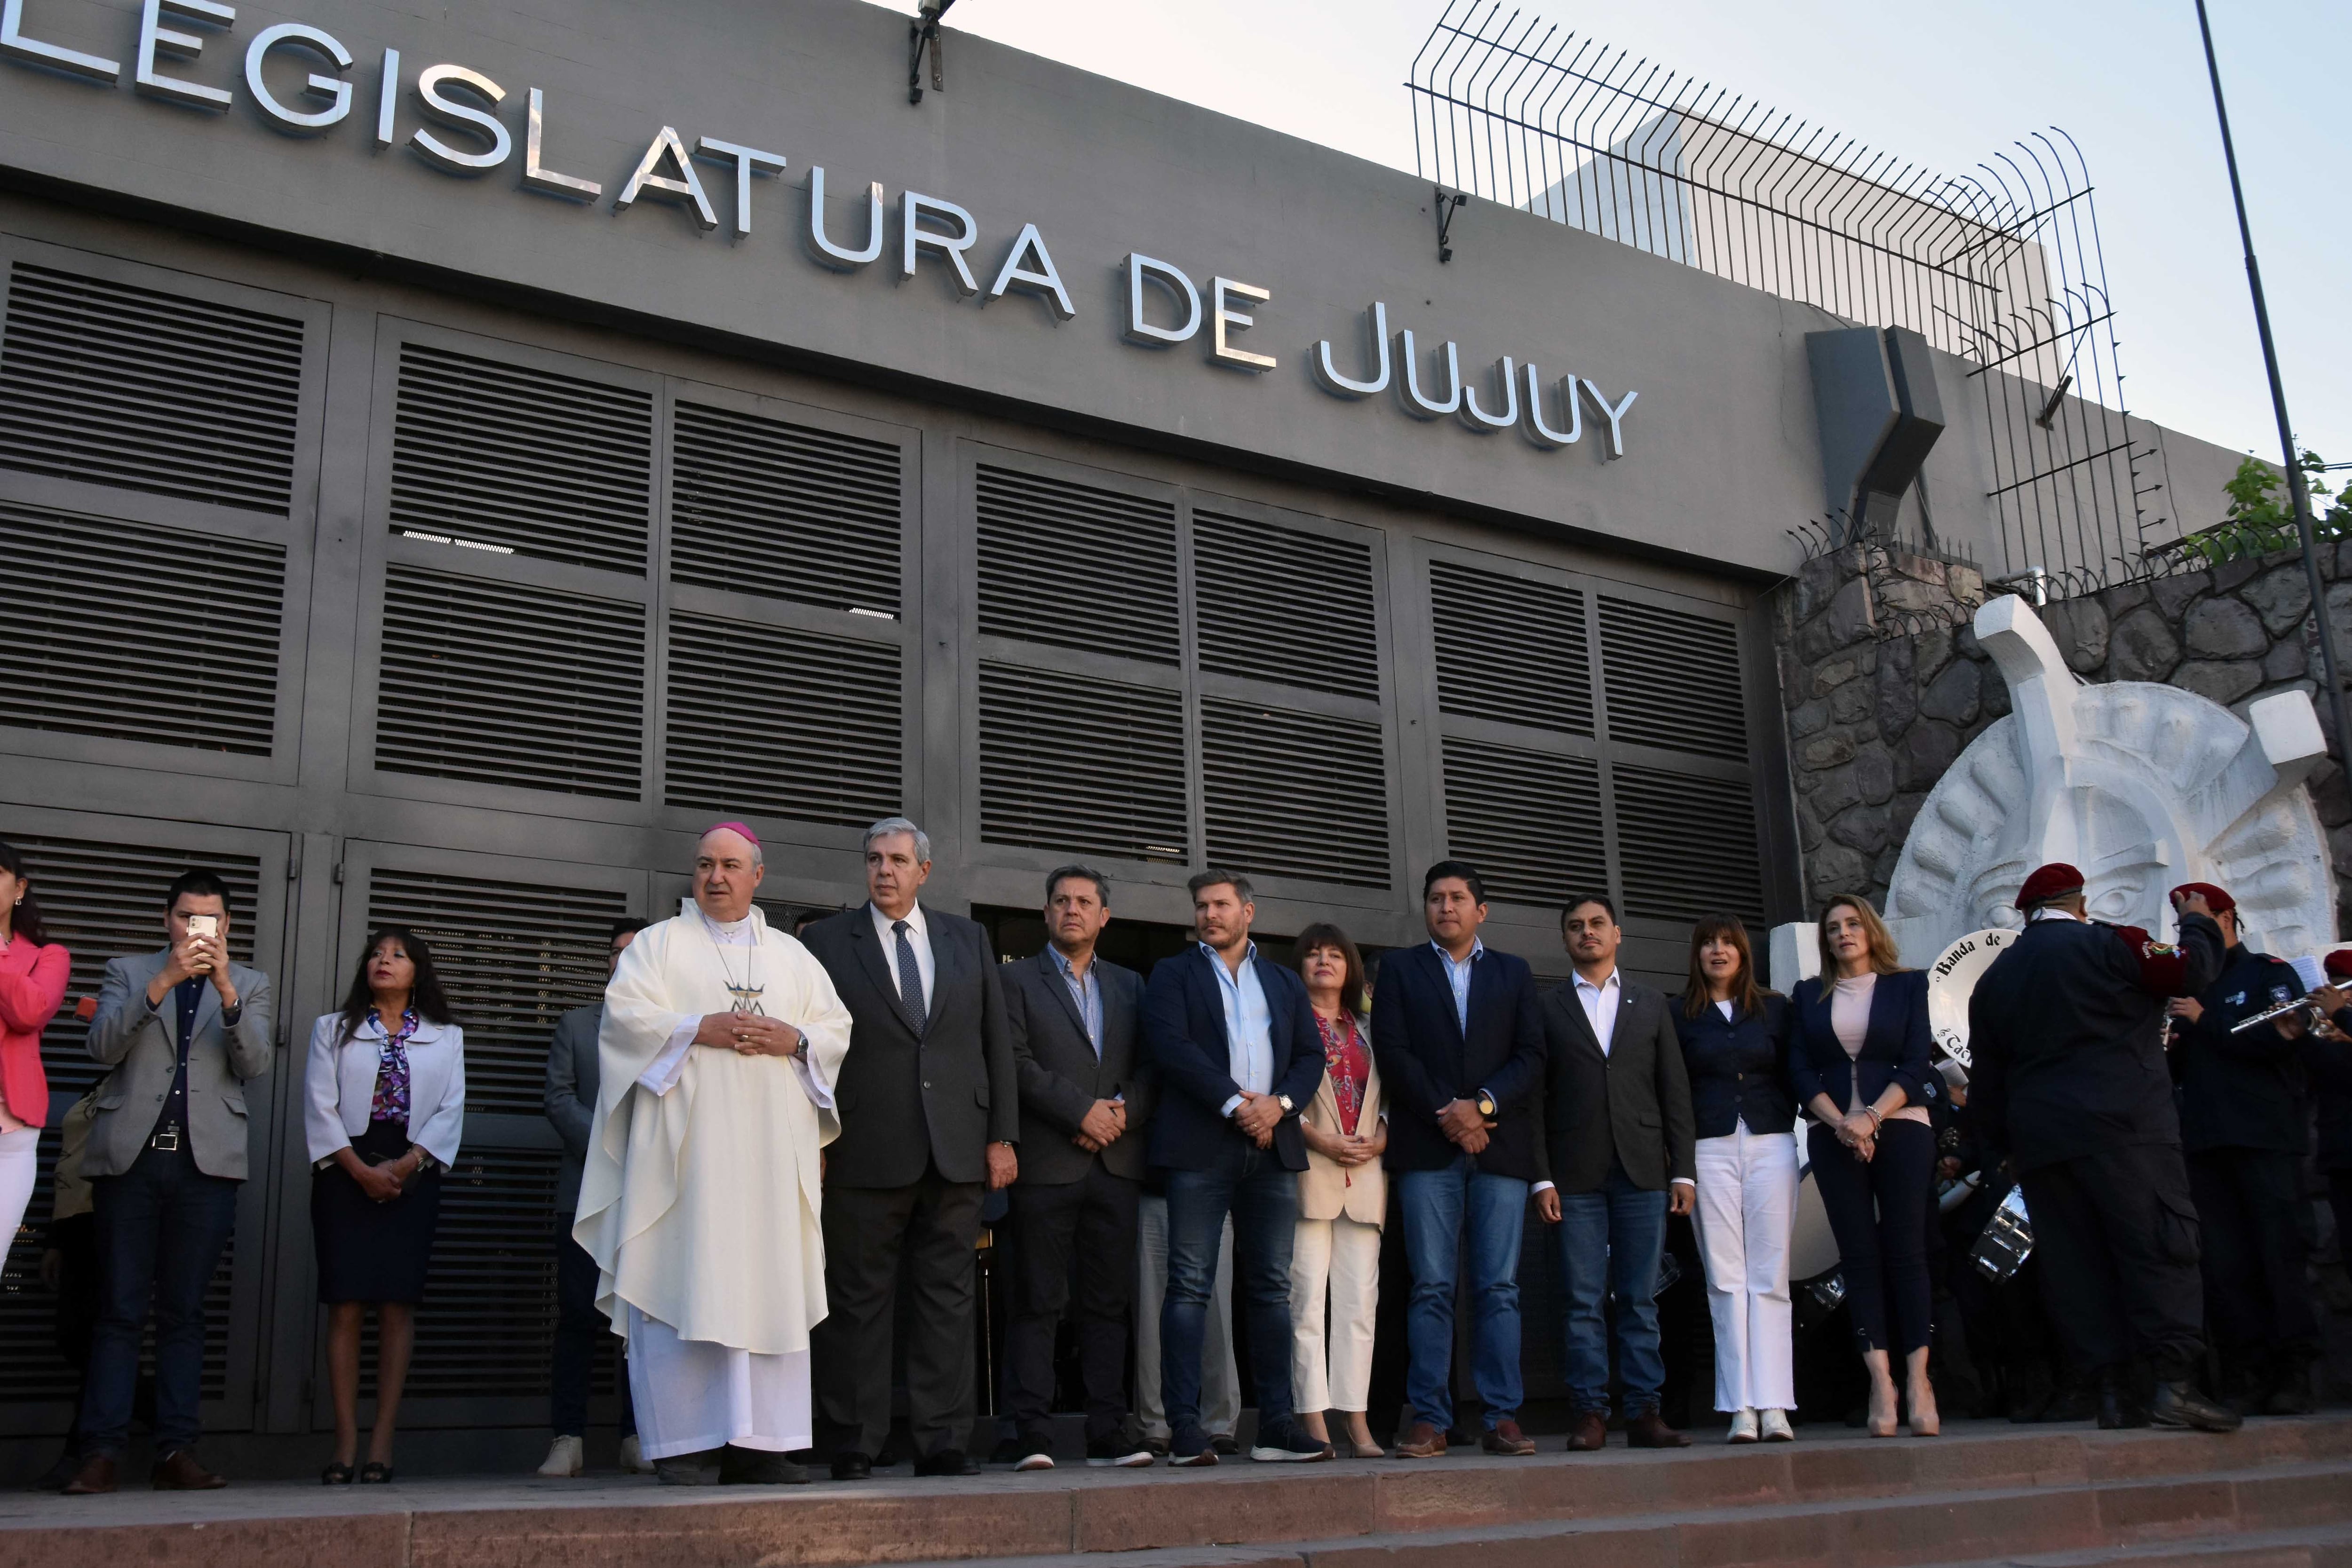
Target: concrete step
(1983, 1491)
(2328, 1547)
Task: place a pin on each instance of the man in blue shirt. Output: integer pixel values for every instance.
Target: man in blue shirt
(1234, 1044)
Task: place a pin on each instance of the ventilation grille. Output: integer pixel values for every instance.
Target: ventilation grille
(1081, 766)
(1280, 604)
(787, 723)
(511, 685)
(1529, 820)
(1673, 680)
(1687, 846)
(1077, 567)
(159, 392)
(514, 958)
(1295, 794)
(762, 507)
(489, 1329)
(1510, 650)
(104, 901)
(540, 464)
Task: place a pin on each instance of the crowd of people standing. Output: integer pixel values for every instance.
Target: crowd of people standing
(778, 1148)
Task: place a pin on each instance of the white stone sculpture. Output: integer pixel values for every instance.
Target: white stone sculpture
(2142, 786)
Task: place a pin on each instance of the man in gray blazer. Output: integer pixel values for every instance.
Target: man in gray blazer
(185, 1030)
(571, 1100)
(1615, 1155)
(929, 1108)
(1084, 1103)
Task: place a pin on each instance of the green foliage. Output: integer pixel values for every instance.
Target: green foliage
(2260, 517)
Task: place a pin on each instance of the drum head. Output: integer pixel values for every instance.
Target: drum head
(1950, 980)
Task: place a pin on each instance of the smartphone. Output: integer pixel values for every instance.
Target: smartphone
(203, 925)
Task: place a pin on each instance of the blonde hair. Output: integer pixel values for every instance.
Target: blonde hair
(1885, 958)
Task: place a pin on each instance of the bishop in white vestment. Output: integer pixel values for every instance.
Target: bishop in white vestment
(721, 1043)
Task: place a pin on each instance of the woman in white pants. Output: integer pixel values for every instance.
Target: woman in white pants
(33, 973)
(1343, 1197)
(1735, 1047)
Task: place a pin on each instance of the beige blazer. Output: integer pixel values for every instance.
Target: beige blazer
(1328, 1190)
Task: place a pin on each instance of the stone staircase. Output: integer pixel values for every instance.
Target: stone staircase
(2277, 1495)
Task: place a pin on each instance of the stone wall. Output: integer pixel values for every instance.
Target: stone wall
(1883, 683)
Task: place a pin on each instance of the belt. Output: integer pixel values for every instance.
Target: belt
(167, 1141)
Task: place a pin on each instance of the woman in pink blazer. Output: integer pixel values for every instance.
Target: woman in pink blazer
(32, 988)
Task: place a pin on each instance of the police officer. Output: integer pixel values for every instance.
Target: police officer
(2070, 1085)
(2244, 1125)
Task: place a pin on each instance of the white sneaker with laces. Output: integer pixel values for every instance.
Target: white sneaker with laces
(1743, 1426)
(633, 1456)
(1777, 1428)
(566, 1458)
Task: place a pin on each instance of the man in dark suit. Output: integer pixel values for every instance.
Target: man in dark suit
(1076, 1035)
(1460, 1049)
(929, 1105)
(1618, 1142)
(1234, 1044)
(570, 1099)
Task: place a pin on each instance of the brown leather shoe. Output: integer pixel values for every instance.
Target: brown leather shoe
(96, 1475)
(1507, 1438)
(1649, 1430)
(1422, 1441)
(1590, 1433)
(178, 1471)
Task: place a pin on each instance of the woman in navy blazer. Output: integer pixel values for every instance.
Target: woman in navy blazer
(1858, 1057)
(1735, 1040)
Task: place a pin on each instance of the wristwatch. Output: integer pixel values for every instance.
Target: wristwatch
(1284, 1101)
(1485, 1103)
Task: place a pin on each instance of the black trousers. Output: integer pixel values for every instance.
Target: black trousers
(2114, 1234)
(1096, 1219)
(1878, 1211)
(934, 1224)
(2254, 1251)
(580, 1334)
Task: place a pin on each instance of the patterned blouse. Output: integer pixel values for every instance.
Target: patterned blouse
(391, 1101)
(1350, 1065)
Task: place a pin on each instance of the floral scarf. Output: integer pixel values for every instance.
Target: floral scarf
(391, 1101)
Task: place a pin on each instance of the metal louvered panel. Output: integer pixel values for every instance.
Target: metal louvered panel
(1284, 605)
(514, 957)
(139, 632)
(1529, 820)
(1510, 649)
(759, 505)
(1078, 566)
(789, 724)
(1687, 846)
(1295, 794)
(162, 392)
(488, 1326)
(549, 465)
(1081, 766)
(1672, 679)
(510, 683)
(104, 901)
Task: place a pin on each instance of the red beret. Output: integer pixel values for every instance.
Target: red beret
(2339, 963)
(2218, 902)
(2048, 882)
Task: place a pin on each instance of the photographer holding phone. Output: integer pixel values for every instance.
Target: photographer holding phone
(185, 1030)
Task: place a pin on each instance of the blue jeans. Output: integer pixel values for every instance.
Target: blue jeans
(1436, 1204)
(161, 1227)
(1262, 1199)
(1610, 1239)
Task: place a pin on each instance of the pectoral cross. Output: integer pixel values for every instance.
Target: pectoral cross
(747, 998)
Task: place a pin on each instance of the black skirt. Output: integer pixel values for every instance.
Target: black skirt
(371, 1252)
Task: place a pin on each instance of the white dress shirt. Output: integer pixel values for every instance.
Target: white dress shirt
(1249, 1025)
(919, 934)
(1602, 1004)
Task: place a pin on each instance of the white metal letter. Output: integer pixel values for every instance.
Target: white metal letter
(1418, 404)
(155, 39)
(1141, 268)
(1326, 374)
(1615, 445)
(334, 91)
(686, 187)
(1041, 279)
(821, 249)
(1543, 434)
(1477, 418)
(55, 57)
(450, 111)
(912, 209)
(1222, 315)
(749, 161)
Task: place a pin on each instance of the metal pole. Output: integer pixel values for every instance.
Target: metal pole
(2295, 487)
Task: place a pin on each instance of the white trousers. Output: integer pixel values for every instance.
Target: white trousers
(692, 1395)
(19, 1163)
(1338, 1260)
(1747, 1212)
(1221, 1380)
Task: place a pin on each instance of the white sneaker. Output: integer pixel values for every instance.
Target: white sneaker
(1777, 1428)
(1743, 1426)
(633, 1456)
(566, 1458)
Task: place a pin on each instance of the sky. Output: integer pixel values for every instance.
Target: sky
(1947, 85)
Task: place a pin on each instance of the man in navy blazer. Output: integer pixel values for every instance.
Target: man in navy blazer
(1238, 1055)
(1461, 1048)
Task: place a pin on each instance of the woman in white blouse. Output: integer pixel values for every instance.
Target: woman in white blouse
(387, 1101)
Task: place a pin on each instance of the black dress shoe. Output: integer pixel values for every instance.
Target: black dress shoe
(2078, 1399)
(2183, 1404)
(758, 1467)
(852, 1465)
(947, 1462)
(2117, 1407)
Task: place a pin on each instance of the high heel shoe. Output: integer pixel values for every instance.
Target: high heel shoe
(336, 1474)
(1929, 1424)
(1886, 1425)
